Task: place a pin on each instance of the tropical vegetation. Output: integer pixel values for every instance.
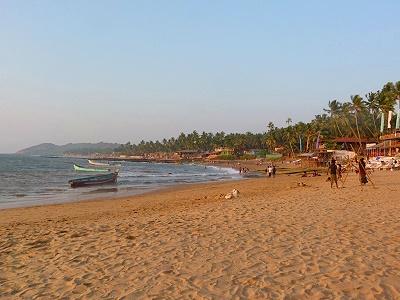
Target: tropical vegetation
(357, 117)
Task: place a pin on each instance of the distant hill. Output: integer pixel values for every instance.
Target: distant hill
(71, 148)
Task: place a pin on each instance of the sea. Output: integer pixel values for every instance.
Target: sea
(38, 180)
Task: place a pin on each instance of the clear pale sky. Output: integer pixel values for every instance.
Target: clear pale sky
(118, 71)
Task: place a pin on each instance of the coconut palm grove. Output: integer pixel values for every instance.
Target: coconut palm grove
(358, 117)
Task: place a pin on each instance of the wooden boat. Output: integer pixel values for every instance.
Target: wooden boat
(96, 163)
(94, 180)
(83, 169)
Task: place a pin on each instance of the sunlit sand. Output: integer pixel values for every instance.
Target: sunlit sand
(275, 240)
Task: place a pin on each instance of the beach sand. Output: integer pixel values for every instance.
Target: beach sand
(275, 241)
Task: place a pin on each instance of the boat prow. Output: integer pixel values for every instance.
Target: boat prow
(96, 163)
(94, 180)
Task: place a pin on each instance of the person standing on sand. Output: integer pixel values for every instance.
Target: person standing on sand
(362, 172)
(332, 170)
(269, 171)
(273, 170)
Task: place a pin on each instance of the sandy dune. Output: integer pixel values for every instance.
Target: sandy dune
(276, 241)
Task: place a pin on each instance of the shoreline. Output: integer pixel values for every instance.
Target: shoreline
(144, 193)
(276, 240)
(99, 195)
(143, 200)
(256, 170)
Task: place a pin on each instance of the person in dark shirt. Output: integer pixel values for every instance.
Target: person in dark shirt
(362, 171)
(333, 172)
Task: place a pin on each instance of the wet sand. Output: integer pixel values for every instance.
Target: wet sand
(275, 241)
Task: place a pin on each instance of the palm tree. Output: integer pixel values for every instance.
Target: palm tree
(387, 97)
(372, 104)
(270, 137)
(308, 132)
(335, 110)
(357, 106)
(397, 89)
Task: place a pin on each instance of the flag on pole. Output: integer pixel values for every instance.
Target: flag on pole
(390, 114)
(300, 145)
(382, 121)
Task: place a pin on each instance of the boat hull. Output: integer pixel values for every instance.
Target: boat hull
(96, 163)
(83, 169)
(94, 180)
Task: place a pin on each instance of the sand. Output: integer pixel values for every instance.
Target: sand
(275, 241)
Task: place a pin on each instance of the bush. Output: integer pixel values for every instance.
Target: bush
(226, 157)
(262, 153)
(248, 156)
(273, 156)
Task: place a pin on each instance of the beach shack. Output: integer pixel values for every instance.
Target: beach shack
(322, 157)
(189, 154)
(255, 152)
(224, 151)
(358, 145)
(389, 145)
(218, 152)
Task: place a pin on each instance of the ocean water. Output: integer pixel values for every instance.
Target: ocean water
(34, 180)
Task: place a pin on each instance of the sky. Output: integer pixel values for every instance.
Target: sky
(119, 71)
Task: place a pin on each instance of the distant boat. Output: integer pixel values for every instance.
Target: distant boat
(96, 163)
(94, 180)
(83, 169)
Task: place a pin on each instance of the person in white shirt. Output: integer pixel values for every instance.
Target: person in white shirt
(270, 171)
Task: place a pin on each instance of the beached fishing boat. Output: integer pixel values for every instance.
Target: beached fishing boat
(94, 180)
(83, 169)
(96, 163)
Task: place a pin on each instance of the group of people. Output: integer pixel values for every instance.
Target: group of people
(313, 174)
(243, 170)
(271, 170)
(335, 172)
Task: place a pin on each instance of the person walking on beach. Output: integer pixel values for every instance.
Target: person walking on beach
(362, 172)
(332, 170)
